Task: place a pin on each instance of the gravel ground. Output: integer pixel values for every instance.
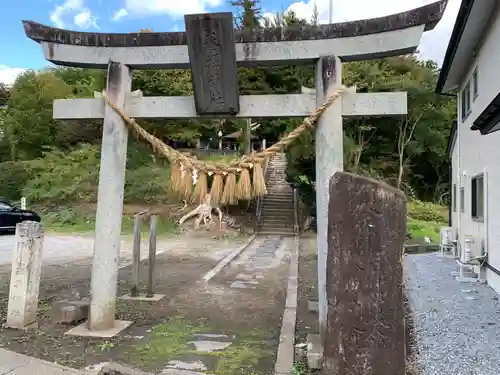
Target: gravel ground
(457, 325)
(65, 248)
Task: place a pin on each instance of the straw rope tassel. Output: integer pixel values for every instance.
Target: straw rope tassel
(244, 188)
(229, 194)
(186, 188)
(216, 190)
(201, 188)
(175, 177)
(259, 182)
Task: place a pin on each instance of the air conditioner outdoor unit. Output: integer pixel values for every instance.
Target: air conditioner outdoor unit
(472, 251)
(446, 242)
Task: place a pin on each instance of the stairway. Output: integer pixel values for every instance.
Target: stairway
(277, 215)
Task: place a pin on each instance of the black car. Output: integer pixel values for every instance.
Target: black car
(11, 215)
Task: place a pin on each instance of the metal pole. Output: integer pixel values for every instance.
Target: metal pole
(152, 255)
(330, 17)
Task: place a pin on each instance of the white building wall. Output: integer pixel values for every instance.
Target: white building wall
(481, 153)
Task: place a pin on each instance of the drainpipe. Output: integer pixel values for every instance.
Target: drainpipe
(460, 175)
(450, 187)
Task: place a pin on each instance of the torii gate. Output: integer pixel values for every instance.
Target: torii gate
(213, 58)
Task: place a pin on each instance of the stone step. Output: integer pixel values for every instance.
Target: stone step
(269, 232)
(279, 200)
(276, 218)
(277, 209)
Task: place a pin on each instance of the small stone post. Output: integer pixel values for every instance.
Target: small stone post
(329, 160)
(110, 203)
(366, 316)
(25, 276)
(152, 256)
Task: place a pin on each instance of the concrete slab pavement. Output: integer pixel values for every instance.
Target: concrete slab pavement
(12, 363)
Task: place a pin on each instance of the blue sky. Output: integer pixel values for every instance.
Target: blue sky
(20, 53)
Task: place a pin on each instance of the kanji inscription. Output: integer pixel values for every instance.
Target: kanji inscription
(213, 63)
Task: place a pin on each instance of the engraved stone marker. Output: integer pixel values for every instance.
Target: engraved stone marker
(25, 276)
(365, 322)
(213, 63)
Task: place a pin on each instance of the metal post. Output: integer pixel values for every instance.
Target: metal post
(152, 255)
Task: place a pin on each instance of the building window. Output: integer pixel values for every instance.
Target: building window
(475, 91)
(477, 198)
(465, 101)
(462, 199)
(454, 198)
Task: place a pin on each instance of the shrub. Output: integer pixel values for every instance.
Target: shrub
(13, 178)
(66, 177)
(427, 211)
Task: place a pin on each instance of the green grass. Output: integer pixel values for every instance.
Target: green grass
(422, 228)
(71, 220)
(223, 159)
(171, 339)
(300, 368)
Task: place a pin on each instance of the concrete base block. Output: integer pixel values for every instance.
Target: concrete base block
(83, 330)
(312, 306)
(142, 297)
(470, 280)
(314, 352)
(67, 312)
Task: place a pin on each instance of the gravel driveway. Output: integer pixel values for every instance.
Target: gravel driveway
(457, 325)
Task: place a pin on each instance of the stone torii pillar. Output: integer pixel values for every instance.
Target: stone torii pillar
(350, 41)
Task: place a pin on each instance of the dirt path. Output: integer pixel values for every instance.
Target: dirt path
(229, 326)
(181, 264)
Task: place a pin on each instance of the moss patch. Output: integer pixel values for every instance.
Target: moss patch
(170, 340)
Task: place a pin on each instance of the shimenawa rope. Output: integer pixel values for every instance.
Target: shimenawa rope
(185, 167)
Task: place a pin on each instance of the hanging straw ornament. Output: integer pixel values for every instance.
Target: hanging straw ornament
(186, 188)
(229, 194)
(195, 176)
(217, 189)
(244, 188)
(175, 177)
(201, 188)
(259, 183)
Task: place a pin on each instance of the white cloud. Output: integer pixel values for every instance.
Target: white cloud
(85, 20)
(119, 14)
(81, 15)
(433, 44)
(173, 8)
(8, 75)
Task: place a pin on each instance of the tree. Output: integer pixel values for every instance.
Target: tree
(249, 14)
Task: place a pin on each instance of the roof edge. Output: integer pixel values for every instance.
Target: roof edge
(456, 37)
